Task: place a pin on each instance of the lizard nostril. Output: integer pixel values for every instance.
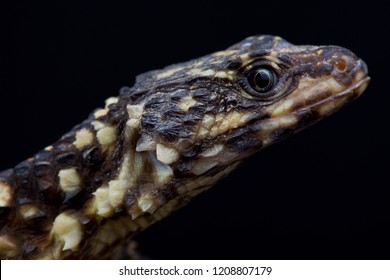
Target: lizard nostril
(340, 65)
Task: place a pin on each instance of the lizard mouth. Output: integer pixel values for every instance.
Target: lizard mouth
(324, 95)
(309, 106)
(356, 89)
(328, 105)
(326, 102)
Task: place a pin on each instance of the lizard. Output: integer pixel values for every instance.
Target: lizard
(170, 137)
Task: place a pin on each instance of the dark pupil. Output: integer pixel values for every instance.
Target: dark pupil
(262, 79)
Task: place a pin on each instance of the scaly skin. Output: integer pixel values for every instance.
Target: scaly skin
(171, 136)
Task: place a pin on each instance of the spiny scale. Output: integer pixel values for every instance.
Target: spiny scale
(171, 136)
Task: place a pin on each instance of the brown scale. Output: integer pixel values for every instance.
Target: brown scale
(171, 136)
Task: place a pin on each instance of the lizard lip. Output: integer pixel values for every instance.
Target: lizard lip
(331, 104)
(357, 88)
(353, 91)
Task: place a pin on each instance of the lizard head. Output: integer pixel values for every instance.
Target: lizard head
(189, 124)
(291, 87)
(218, 109)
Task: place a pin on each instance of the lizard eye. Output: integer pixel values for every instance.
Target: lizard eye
(261, 80)
(266, 81)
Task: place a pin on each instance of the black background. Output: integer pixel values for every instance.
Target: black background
(322, 194)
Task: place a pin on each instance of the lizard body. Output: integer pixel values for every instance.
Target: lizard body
(171, 136)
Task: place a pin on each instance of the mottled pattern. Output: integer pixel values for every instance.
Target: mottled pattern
(171, 136)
